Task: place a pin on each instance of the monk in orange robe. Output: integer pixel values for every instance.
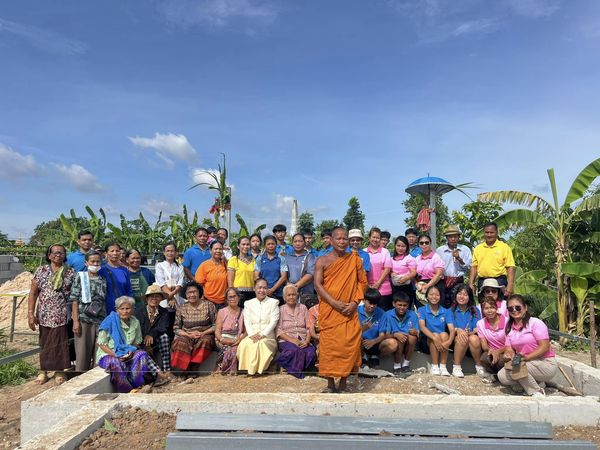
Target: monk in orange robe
(340, 281)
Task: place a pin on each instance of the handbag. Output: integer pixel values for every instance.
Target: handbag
(93, 309)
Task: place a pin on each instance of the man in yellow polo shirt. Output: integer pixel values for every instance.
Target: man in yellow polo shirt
(493, 259)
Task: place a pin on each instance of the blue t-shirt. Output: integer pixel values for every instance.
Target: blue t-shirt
(394, 324)
(436, 323)
(194, 256)
(76, 260)
(376, 321)
(466, 320)
(117, 284)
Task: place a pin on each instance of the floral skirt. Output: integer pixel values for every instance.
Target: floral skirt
(187, 351)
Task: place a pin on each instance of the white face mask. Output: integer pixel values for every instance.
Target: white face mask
(93, 269)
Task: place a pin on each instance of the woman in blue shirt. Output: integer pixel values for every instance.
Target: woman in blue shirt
(437, 324)
(273, 268)
(466, 316)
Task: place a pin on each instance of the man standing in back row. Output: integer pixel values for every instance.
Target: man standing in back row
(493, 259)
(340, 281)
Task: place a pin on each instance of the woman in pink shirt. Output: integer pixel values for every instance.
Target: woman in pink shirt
(492, 336)
(381, 266)
(404, 269)
(430, 268)
(528, 337)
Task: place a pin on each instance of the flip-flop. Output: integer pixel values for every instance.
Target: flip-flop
(41, 378)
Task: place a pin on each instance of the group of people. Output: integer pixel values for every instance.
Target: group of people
(335, 309)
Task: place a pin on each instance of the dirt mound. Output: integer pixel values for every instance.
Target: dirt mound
(20, 283)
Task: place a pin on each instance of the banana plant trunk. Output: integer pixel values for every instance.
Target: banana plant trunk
(564, 297)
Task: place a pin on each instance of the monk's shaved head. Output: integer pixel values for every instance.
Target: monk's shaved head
(338, 230)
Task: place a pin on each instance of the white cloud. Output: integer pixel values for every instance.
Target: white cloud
(15, 165)
(284, 203)
(155, 206)
(43, 39)
(216, 13)
(440, 20)
(475, 26)
(200, 175)
(79, 177)
(168, 147)
(533, 9)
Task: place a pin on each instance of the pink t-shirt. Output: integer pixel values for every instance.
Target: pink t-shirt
(501, 304)
(495, 338)
(524, 340)
(403, 265)
(380, 260)
(427, 265)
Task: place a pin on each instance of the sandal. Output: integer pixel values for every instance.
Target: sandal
(60, 379)
(41, 378)
(329, 390)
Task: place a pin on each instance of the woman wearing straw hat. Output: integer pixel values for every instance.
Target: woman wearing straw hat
(154, 322)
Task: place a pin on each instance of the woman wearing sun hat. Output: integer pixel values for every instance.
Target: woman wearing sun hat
(154, 322)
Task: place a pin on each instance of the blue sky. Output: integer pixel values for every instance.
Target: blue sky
(119, 104)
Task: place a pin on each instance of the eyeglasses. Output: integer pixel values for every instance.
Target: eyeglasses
(424, 243)
(514, 308)
(489, 291)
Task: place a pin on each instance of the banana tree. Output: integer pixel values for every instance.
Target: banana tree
(585, 284)
(97, 223)
(223, 200)
(534, 284)
(182, 229)
(555, 221)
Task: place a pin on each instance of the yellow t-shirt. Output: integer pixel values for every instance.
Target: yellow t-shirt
(492, 261)
(244, 273)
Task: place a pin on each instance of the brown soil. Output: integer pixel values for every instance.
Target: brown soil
(135, 429)
(10, 410)
(277, 383)
(138, 429)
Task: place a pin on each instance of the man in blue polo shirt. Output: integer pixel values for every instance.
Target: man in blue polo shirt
(402, 325)
(197, 253)
(370, 317)
(76, 259)
(327, 248)
(283, 248)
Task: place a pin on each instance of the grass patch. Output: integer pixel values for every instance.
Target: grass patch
(16, 372)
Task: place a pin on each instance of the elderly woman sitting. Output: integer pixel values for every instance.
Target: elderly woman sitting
(154, 322)
(256, 351)
(194, 329)
(120, 334)
(296, 353)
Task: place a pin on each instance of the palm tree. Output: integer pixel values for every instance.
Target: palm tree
(555, 221)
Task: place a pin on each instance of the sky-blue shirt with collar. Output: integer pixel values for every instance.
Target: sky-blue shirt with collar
(366, 260)
(376, 321)
(325, 251)
(436, 323)
(466, 320)
(394, 324)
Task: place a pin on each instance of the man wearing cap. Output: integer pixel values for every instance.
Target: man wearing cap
(493, 259)
(356, 241)
(457, 260)
(154, 321)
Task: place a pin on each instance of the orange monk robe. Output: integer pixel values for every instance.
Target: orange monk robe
(340, 336)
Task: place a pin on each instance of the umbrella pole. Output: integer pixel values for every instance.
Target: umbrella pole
(433, 219)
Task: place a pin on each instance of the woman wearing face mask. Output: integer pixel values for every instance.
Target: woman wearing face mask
(528, 337)
(88, 296)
